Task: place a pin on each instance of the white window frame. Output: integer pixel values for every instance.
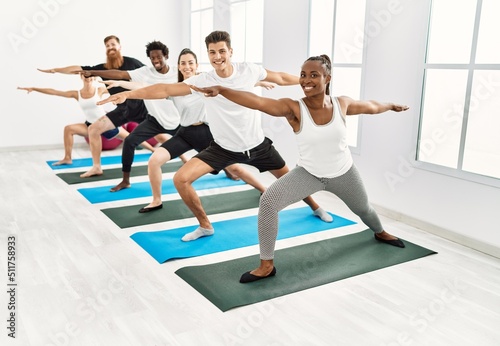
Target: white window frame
(356, 147)
(470, 67)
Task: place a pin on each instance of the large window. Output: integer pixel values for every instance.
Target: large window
(337, 29)
(243, 19)
(202, 23)
(460, 114)
(247, 30)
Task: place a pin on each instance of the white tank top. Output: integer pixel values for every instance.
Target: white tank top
(91, 111)
(323, 149)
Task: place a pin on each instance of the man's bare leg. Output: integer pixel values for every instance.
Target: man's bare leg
(95, 142)
(243, 174)
(183, 179)
(317, 210)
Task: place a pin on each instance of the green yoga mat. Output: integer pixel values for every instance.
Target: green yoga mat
(114, 173)
(129, 216)
(298, 268)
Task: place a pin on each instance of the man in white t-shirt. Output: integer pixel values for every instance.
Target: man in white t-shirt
(238, 135)
(163, 116)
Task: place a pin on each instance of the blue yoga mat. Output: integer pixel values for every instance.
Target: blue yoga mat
(105, 160)
(143, 189)
(231, 234)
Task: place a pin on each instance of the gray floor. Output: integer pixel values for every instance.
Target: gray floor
(82, 281)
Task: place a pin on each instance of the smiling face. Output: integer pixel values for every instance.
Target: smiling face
(158, 60)
(114, 57)
(313, 78)
(187, 65)
(219, 55)
(112, 47)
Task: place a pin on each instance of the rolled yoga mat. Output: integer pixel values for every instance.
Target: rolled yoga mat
(298, 268)
(230, 234)
(114, 173)
(105, 160)
(129, 216)
(143, 189)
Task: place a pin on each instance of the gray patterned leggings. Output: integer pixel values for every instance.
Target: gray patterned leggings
(298, 184)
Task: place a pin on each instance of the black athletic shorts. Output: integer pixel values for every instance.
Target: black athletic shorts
(130, 110)
(264, 157)
(197, 137)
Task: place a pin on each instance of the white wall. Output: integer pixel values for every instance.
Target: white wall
(55, 33)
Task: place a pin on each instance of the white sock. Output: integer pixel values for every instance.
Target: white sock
(323, 215)
(197, 233)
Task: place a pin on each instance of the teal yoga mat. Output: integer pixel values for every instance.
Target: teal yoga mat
(230, 234)
(143, 189)
(105, 160)
(114, 173)
(129, 216)
(298, 268)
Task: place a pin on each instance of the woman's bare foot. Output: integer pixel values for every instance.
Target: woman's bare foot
(94, 171)
(63, 162)
(123, 185)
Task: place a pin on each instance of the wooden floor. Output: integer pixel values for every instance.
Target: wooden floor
(82, 281)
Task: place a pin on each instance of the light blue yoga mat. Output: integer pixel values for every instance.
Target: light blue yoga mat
(231, 234)
(143, 189)
(105, 160)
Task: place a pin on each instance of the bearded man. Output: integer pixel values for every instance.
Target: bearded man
(132, 110)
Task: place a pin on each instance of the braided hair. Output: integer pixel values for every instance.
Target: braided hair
(327, 65)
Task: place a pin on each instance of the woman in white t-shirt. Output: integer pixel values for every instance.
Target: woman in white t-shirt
(325, 162)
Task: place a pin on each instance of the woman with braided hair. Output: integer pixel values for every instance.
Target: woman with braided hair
(325, 162)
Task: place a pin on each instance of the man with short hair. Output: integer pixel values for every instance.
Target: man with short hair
(237, 131)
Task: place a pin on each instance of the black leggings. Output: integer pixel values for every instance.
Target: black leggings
(144, 131)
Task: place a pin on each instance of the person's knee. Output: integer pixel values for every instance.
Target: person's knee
(158, 159)
(131, 140)
(94, 129)
(235, 170)
(181, 179)
(267, 201)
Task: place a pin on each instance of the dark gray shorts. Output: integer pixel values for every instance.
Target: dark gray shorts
(264, 157)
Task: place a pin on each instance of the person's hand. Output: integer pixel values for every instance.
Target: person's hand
(207, 91)
(266, 85)
(400, 108)
(51, 70)
(85, 73)
(27, 89)
(111, 83)
(114, 99)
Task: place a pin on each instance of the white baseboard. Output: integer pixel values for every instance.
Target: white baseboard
(440, 232)
(40, 147)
